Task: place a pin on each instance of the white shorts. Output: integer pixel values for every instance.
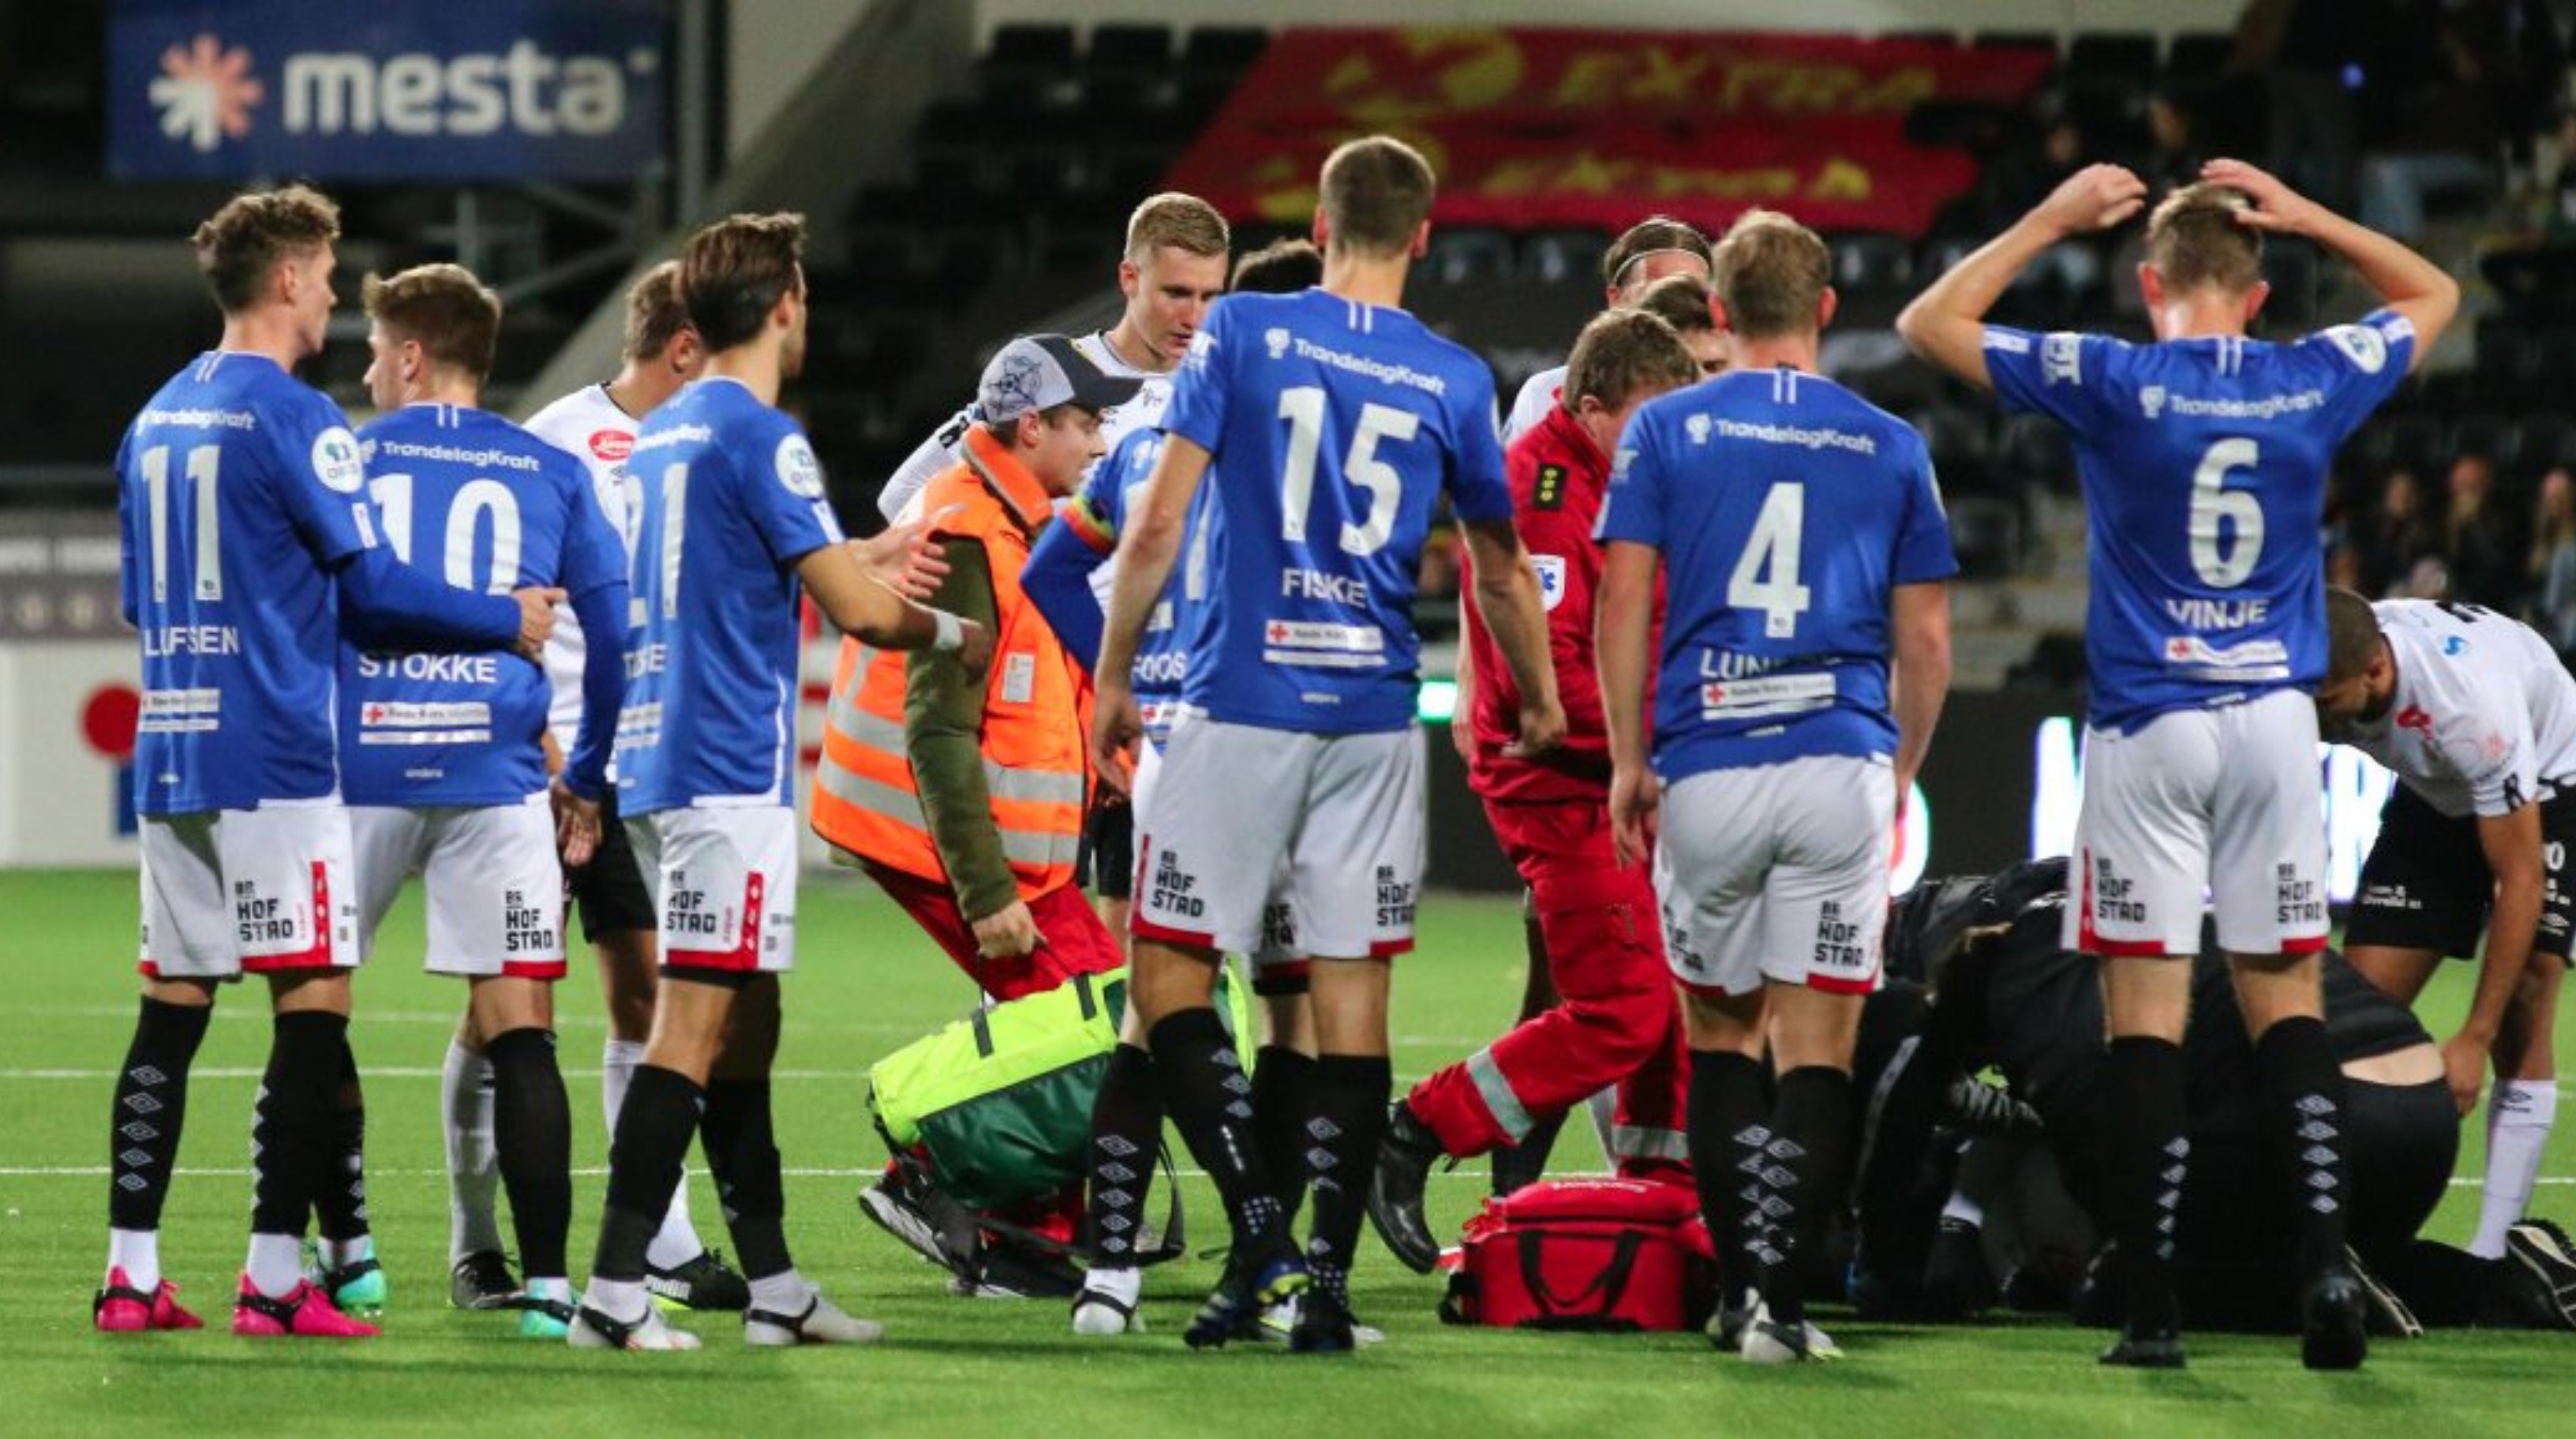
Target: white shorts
(724, 882)
(2223, 803)
(1278, 947)
(1777, 872)
(1234, 803)
(495, 886)
(262, 890)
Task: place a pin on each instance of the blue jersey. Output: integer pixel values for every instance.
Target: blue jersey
(239, 490)
(2204, 464)
(1097, 517)
(469, 497)
(1335, 428)
(1786, 509)
(733, 498)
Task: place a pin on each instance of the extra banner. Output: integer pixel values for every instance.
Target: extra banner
(462, 90)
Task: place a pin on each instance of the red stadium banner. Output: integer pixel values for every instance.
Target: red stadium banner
(1832, 175)
(1571, 79)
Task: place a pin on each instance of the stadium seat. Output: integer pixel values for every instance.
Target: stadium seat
(1563, 257)
(2033, 451)
(1467, 255)
(1130, 67)
(1030, 67)
(1985, 533)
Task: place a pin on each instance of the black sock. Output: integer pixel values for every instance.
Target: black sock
(532, 1137)
(645, 1156)
(1730, 1095)
(2303, 1129)
(1209, 1099)
(1126, 1125)
(1341, 1157)
(2147, 1154)
(1518, 1166)
(1283, 1099)
(1802, 1179)
(151, 1105)
(340, 1206)
(293, 1153)
(742, 1158)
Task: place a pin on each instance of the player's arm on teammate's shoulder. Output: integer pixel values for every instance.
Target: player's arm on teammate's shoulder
(857, 605)
(1919, 621)
(904, 558)
(1148, 546)
(1506, 594)
(2404, 281)
(1946, 324)
(1623, 634)
(388, 604)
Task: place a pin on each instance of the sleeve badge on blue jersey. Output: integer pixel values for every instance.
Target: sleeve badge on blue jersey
(1550, 493)
(2364, 346)
(2061, 358)
(797, 468)
(336, 462)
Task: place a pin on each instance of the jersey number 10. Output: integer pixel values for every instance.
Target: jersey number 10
(393, 497)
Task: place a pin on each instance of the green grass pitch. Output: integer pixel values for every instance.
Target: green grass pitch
(867, 983)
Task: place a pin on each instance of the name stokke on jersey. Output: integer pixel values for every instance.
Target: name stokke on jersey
(238, 490)
(2483, 720)
(733, 498)
(2204, 465)
(473, 499)
(1786, 508)
(947, 445)
(1335, 427)
(1099, 514)
(588, 426)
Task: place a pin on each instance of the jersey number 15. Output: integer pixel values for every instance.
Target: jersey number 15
(1303, 408)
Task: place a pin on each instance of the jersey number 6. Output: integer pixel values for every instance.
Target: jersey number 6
(2225, 566)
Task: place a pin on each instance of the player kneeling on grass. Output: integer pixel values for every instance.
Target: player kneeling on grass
(2477, 716)
(735, 528)
(1803, 544)
(446, 769)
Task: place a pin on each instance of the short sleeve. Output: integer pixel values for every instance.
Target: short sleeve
(782, 492)
(1477, 489)
(321, 479)
(2063, 375)
(2493, 754)
(2362, 363)
(1633, 510)
(1198, 405)
(1924, 553)
(594, 557)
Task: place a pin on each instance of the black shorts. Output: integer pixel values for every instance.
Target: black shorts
(1109, 845)
(610, 890)
(2426, 884)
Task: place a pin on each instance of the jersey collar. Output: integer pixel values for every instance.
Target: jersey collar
(1008, 479)
(1568, 435)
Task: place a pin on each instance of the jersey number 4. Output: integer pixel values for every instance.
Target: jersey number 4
(1766, 574)
(1303, 408)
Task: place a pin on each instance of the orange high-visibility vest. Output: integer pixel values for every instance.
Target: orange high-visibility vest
(1037, 704)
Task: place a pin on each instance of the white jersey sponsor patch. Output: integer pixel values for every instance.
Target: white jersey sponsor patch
(1770, 695)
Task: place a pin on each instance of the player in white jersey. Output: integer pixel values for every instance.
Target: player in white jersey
(2204, 459)
(596, 424)
(1650, 250)
(248, 548)
(1331, 423)
(2477, 716)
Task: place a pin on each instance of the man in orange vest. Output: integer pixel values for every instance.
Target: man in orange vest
(963, 794)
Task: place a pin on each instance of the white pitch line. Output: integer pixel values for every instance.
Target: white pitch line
(379, 1072)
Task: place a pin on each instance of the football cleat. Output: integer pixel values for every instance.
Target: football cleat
(1099, 1316)
(705, 1282)
(2544, 1262)
(897, 1214)
(2146, 1349)
(1233, 1309)
(1404, 1160)
(304, 1312)
(123, 1309)
(357, 1287)
(482, 1280)
(543, 1318)
(1726, 1325)
(2332, 1327)
(1324, 1325)
(2384, 1313)
(821, 1323)
(1769, 1341)
(1279, 1323)
(591, 1329)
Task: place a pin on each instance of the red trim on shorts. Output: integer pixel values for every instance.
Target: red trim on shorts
(1708, 991)
(316, 955)
(1143, 928)
(147, 969)
(1390, 948)
(2130, 949)
(744, 957)
(533, 969)
(2311, 945)
(1828, 984)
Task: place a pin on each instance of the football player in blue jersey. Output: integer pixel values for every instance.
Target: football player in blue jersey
(1332, 422)
(446, 769)
(248, 547)
(735, 529)
(2204, 459)
(1806, 653)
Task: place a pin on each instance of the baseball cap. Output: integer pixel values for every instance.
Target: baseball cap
(1040, 372)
